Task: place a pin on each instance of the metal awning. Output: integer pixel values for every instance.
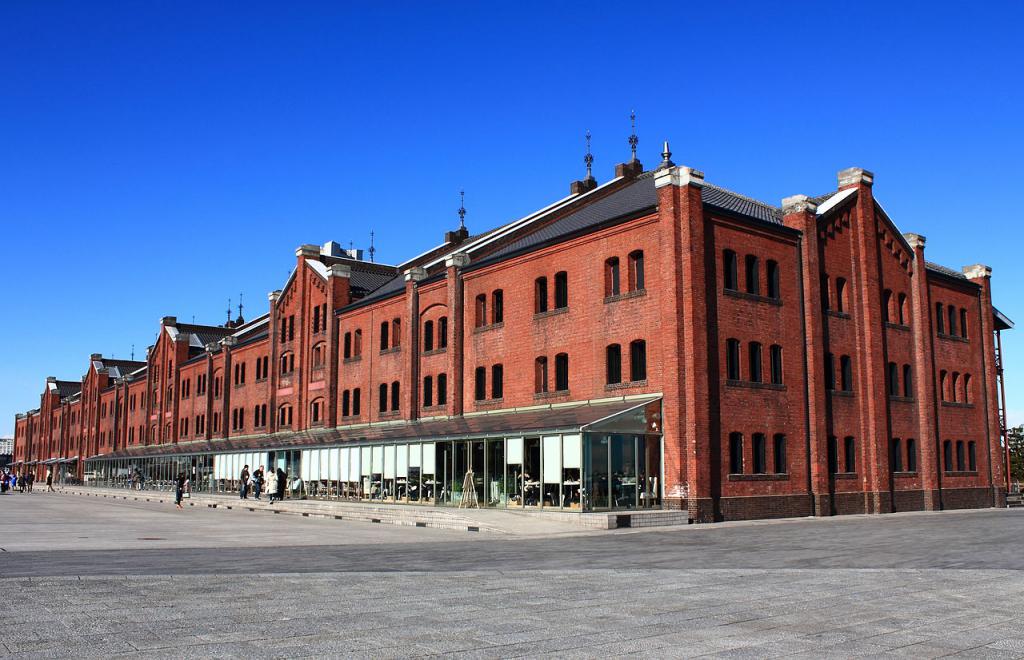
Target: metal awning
(556, 418)
(1003, 322)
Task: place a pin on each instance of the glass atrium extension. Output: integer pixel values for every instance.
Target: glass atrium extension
(611, 461)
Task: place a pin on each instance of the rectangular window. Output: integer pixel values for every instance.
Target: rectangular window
(442, 389)
(963, 323)
(613, 364)
(851, 454)
(481, 311)
(760, 453)
(729, 268)
(847, 373)
(911, 455)
(961, 463)
(947, 455)
(638, 360)
(636, 271)
(355, 402)
(776, 364)
(772, 277)
(498, 307)
(497, 381)
(940, 322)
(732, 359)
(540, 295)
(754, 361)
(781, 466)
(382, 397)
(561, 372)
(428, 336)
(480, 384)
(611, 277)
(561, 290)
(972, 457)
(753, 275)
(442, 332)
(395, 399)
(896, 455)
(428, 391)
(735, 453)
(540, 375)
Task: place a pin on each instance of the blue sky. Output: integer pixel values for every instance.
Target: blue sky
(157, 158)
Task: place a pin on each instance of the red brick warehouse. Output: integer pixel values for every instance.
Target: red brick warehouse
(652, 342)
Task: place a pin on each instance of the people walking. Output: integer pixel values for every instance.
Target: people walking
(49, 481)
(257, 481)
(243, 483)
(180, 486)
(21, 482)
(29, 480)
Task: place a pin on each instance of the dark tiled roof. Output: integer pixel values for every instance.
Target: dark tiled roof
(949, 272)
(206, 333)
(362, 282)
(637, 197)
(68, 388)
(528, 421)
(388, 288)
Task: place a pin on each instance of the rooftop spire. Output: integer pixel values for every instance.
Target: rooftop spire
(228, 324)
(633, 139)
(240, 320)
(666, 158)
(372, 249)
(589, 159)
(462, 209)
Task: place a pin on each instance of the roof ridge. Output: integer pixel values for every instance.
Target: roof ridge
(741, 196)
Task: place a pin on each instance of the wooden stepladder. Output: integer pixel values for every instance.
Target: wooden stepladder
(469, 499)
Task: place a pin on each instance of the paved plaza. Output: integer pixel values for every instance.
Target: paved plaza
(87, 578)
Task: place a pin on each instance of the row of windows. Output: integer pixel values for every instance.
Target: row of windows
(955, 389)
(320, 318)
(637, 362)
(540, 292)
(382, 397)
(635, 276)
(894, 308)
(759, 454)
(845, 373)
(541, 380)
(849, 456)
(350, 402)
(497, 382)
(899, 450)
(442, 334)
(961, 465)
(395, 339)
(431, 396)
(893, 381)
(288, 329)
(946, 322)
(837, 300)
(755, 359)
(751, 275)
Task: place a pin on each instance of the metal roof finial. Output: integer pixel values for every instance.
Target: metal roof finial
(666, 157)
(462, 209)
(133, 352)
(372, 249)
(633, 139)
(239, 306)
(589, 158)
(228, 324)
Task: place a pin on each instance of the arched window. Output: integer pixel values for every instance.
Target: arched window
(776, 364)
(540, 374)
(442, 389)
(382, 402)
(613, 364)
(894, 379)
(355, 402)
(826, 303)
(735, 453)
(781, 464)
(318, 357)
(395, 400)
(954, 387)
(833, 455)
(841, 304)
(638, 360)
(396, 332)
(895, 455)
(498, 306)
(961, 458)
(952, 320)
(357, 343)
(540, 295)
(887, 314)
(611, 277)
(968, 398)
(940, 323)
(561, 290)
(497, 381)
(384, 331)
(753, 275)
(287, 365)
(911, 455)
(346, 403)
(947, 455)
(772, 278)
(316, 411)
(908, 385)
(732, 359)
(481, 311)
(637, 277)
(972, 456)
(963, 323)
(284, 416)
(830, 372)
(760, 453)
(729, 268)
(903, 309)
(442, 332)
(428, 336)
(480, 383)
(428, 391)
(754, 361)
(561, 372)
(846, 366)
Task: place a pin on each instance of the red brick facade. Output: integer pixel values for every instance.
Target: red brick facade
(799, 352)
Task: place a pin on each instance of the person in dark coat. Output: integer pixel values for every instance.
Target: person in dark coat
(180, 485)
(282, 483)
(243, 485)
(257, 481)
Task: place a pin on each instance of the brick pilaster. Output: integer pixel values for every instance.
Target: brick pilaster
(456, 330)
(411, 354)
